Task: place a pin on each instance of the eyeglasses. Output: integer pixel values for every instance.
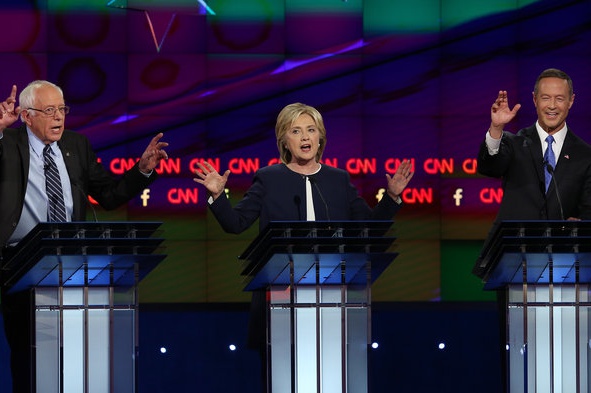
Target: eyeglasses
(50, 111)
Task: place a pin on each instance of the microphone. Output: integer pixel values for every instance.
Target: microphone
(87, 201)
(550, 170)
(315, 184)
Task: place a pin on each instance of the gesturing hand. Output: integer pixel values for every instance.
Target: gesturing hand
(8, 112)
(211, 179)
(398, 182)
(501, 114)
(153, 154)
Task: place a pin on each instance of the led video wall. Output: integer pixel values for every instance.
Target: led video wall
(394, 80)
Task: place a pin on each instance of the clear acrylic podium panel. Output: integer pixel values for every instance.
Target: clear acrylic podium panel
(319, 329)
(545, 269)
(318, 278)
(94, 349)
(84, 277)
(330, 326)
(548, 343)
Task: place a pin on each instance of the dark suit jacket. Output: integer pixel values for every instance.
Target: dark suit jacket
(87, 177)
(279, 194)
(520, 165)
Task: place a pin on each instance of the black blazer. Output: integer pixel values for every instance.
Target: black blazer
(87, 177)
(279, 194)
(520, 165)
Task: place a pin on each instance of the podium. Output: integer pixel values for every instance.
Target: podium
(544, 267)
(84, 278)
(318, 276)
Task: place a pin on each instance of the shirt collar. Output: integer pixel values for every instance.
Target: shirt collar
(37, 145)
(558, 136)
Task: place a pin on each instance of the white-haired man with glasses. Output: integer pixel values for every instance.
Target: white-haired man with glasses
(43, 165)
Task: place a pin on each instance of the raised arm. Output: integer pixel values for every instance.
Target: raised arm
(9, 112)
(501, 114)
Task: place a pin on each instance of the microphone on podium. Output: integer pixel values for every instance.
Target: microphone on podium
(315, 184)
(550, 170)
(77, 186)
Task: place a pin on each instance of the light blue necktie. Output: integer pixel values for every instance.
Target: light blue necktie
(549, 159)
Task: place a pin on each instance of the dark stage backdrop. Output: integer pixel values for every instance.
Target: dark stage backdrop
(395, 80)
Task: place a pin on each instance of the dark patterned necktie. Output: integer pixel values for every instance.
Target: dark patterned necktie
(53, 185)
(549, 159)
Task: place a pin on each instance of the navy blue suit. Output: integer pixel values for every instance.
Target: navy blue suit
(279, 194)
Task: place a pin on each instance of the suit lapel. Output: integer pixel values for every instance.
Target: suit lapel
(568, 150)
(73, 168)
(535, 148)
(66, 153)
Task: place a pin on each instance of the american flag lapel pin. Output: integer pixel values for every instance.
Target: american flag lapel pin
(567, 156)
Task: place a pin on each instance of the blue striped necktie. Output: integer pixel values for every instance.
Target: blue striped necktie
(56, 209)
(549, 159)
